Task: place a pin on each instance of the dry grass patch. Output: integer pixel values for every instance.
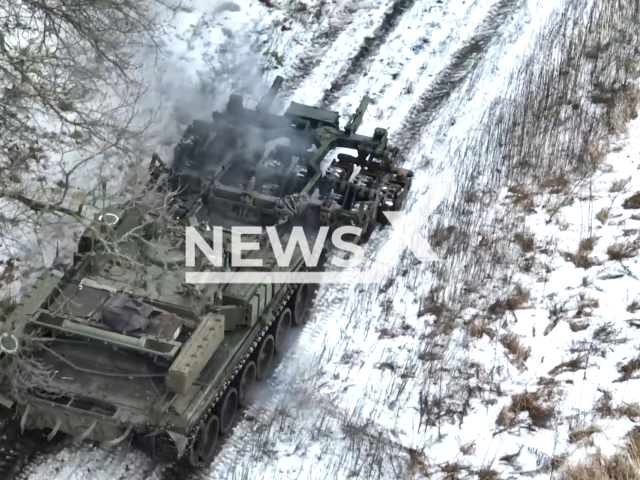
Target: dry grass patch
(555, 184)
(581, 258)
(627, 370)
(479, 328)
(586, 305)
(629, 410)
(526, 241)
(622, 251)
(453, 470)
(537, 405)
(618, 186)
(604, 405)
(633, 202)
(417, 461)
(624, 465)
(578, 326)
(441, 234)
(517, 299)
(603, 215)
(522, 197)
(634, 306)
(468, 448)
(573, 365)
(584, 435)
(519, 354)
(488, 474)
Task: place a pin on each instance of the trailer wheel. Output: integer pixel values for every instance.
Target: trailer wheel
(246, 382)
(204, 447)
(264, 357)
(301, 304)
(227, 408)
(282, 329)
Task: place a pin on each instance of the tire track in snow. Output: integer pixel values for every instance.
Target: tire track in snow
(320, 42)
(370, 47)
(464, 62)
(408, 62)
(328, 48)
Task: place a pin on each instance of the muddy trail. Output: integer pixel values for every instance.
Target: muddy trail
(369, 48)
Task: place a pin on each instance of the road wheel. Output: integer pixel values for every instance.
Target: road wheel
(265, 356)
(282, 329)
(204, 446)
(301, 304)
(226, 409)
(246, 383)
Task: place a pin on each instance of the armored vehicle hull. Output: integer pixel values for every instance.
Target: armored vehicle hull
(120, 348)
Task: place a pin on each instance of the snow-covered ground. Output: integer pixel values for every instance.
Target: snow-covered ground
(381, 383)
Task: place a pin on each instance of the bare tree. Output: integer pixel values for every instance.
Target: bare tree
(70, 92)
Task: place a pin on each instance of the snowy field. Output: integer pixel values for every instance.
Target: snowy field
(384, 381)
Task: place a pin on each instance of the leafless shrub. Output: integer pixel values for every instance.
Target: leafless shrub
(603, 215)
(70, 93)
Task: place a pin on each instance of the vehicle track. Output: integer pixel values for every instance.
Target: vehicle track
(461, 67)
(320, 42)
(370, 47)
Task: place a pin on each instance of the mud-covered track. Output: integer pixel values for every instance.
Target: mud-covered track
(463, 63)
(369, 48)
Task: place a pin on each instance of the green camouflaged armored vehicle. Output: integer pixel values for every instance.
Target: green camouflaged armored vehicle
(119, 349)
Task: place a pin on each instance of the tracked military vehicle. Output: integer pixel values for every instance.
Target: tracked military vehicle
(117, 348)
